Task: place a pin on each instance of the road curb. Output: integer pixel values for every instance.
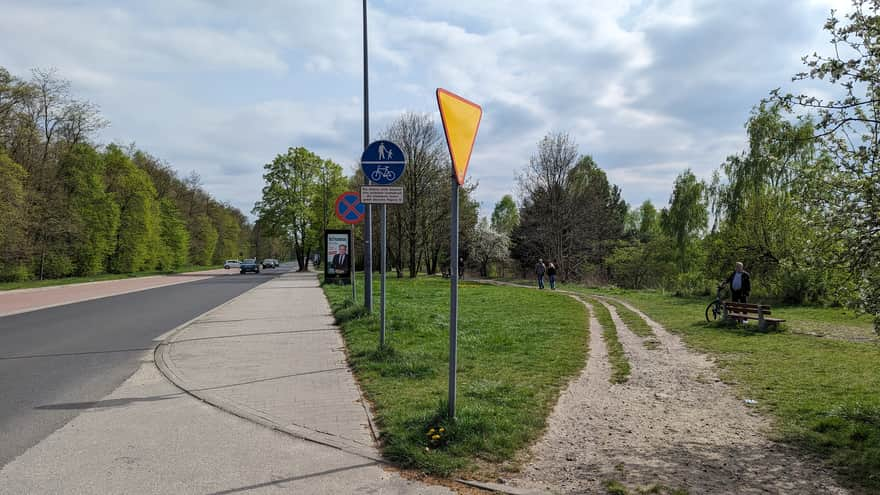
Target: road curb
(165, 363)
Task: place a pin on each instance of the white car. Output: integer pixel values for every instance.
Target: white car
(232, 264)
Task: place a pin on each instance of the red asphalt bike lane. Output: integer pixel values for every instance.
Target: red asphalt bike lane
(24, 300)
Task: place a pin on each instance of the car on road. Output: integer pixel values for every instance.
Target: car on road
(270, 263)
(249, 265)
(231, 264)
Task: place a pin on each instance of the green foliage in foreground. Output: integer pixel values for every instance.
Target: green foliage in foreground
(517, 349)
(823, 392)
(619, 363)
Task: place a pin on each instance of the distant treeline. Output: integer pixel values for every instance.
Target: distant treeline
(71, 207)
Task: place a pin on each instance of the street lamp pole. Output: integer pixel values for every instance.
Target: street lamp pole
(368, 220)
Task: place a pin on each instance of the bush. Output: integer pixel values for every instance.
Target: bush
(693, 283)
(16, 273)
(800, 287)
(57, 266)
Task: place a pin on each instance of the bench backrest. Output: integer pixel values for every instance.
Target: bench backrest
(747, 308)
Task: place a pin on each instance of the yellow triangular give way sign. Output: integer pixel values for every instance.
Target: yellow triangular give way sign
(461, 121)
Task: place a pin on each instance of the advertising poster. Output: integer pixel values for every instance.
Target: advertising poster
(337, 259)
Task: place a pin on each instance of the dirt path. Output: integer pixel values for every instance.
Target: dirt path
(674, 423)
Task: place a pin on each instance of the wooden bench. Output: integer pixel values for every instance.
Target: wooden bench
(746, 311)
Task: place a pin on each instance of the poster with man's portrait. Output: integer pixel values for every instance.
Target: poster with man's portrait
(337, 258)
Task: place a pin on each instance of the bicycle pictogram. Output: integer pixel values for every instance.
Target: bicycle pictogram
(382, 172)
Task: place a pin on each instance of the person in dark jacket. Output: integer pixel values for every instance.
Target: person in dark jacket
(540, 269)
(551, 274)
(740, 284)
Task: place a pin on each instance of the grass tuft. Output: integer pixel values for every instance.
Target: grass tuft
(620, 367)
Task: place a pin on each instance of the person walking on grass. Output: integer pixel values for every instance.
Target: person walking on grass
(551, 274)
(540, 269)
(740, 284)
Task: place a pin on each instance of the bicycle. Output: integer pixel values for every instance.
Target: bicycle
(382, 172)
(714, 309)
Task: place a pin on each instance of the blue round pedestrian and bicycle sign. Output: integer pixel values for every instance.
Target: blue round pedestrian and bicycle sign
(349, 208)
(383, 162)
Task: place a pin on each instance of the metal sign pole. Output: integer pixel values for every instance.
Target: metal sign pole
(453, 299)
(368, 225)
(382, 297)
(353, 262)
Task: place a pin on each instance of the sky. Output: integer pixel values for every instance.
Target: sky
(648, 88)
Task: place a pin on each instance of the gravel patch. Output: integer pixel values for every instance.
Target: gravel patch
(674, 423)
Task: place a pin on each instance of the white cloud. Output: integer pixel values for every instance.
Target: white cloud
(649, 87)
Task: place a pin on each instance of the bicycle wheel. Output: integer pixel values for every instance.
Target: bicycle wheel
(376, 176)
(711, 312)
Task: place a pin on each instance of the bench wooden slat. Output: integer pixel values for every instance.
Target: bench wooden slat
(748, 311)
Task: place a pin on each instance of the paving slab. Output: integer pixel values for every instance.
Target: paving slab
(274, 355)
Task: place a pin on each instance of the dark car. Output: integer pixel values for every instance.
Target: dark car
(249, 265)
(270, 263)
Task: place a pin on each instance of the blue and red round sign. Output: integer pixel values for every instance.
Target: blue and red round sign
(349, 208)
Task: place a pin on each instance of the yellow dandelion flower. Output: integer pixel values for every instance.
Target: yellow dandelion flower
(442, 430)
(431, 430)
(435, 437)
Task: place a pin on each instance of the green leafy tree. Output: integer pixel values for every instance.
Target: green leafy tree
(649, 221)
(331, 182)
(203, 240)
(133, 192)
(174, 236)
(12, 213)
(848, 130)
(286, 207)
(505, 216)
(228, 232)
(92, 213)
(687, 216)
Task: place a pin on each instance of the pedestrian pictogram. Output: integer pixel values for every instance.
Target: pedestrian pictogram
(461, 121)
(383, 162)
(349, 208)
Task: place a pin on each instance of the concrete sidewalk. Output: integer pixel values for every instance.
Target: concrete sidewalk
(270, 356)
(273, 355)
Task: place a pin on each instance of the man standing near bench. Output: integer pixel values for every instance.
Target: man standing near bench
(740, 284)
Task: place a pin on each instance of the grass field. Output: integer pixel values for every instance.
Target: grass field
(31, 284)
(824, 392)
(517, 350)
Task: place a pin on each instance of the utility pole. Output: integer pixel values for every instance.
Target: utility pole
(368, 219)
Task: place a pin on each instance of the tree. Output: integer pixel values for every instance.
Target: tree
(91, 212)
(848, 130)
(649, 221)
(133, 192)
(488, 245)
(570, 212)
(687, 215)
(204, 240)
(505, 216)
(286, 206)
(544, 186)
(414, 222)
(12, 213)
(174, 236)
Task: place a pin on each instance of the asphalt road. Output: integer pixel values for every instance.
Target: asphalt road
(56, 362)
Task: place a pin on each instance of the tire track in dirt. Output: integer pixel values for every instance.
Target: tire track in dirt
(674, 423)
